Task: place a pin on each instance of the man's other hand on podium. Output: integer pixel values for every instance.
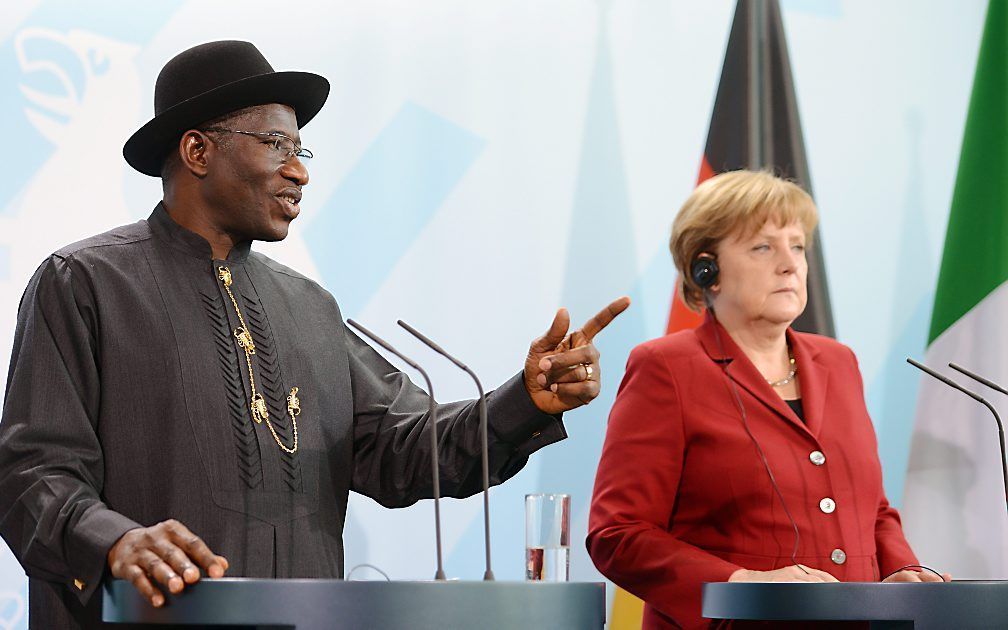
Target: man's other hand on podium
(167, 554)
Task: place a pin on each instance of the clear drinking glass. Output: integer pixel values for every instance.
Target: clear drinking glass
(547, 537)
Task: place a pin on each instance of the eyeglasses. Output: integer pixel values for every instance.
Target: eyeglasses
(280, 143)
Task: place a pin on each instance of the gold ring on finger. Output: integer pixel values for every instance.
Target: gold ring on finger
(589, 370)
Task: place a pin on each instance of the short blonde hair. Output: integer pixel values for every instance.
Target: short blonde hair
(736, 202)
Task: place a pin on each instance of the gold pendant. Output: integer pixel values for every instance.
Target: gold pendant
(259, 411)
(224, 274)
(244, 340)
(293, 403)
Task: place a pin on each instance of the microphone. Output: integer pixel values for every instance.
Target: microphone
(432, 419)
(979, 399)
(488, 573)
(978, 378)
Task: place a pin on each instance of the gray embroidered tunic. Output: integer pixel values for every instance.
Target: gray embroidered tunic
(128, 403)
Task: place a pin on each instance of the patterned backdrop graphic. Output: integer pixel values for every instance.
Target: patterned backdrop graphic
(481, 164)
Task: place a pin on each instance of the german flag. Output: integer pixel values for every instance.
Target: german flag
(755, 125)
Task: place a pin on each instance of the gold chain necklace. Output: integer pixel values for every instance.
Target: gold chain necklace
(791, 374)
(258, 406)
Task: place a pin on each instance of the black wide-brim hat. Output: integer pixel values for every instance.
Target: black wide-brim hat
(209, 81)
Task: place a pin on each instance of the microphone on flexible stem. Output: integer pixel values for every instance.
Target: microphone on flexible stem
(978, 378)
(440, 574)
(488, 574)
(979, 399)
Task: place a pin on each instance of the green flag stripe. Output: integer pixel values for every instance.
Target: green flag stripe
(975, 260)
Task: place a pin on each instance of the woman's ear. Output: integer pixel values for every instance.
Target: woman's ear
(711, 295)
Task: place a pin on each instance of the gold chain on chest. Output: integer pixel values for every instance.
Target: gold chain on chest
(790, 375)
(258, 405)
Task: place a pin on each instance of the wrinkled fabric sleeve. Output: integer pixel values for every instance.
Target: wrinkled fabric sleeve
(635, 493)
(51, 464)
(392, 452)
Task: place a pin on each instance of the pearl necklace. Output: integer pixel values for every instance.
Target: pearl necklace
(790, 376)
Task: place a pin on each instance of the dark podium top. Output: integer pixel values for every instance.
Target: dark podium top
(327, 604)
(930, 605)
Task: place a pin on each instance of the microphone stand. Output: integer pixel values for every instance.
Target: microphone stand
(979, 399)
(432, 419)
(488, 573)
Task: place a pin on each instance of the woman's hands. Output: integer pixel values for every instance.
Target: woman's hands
(917, 576)
(793, 573)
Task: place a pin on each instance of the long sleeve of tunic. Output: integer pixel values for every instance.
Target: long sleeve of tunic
(127, 403)
(51, 468)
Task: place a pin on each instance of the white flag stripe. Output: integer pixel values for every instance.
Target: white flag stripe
(954, 509)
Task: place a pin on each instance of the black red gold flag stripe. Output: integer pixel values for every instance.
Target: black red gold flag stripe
(755, 125)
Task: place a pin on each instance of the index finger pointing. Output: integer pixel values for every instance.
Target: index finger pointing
(604, 317)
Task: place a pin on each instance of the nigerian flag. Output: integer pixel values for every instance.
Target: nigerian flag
(954, 505)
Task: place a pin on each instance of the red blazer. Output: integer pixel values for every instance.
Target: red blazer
(681, 495)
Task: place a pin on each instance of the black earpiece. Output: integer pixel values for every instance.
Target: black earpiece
(704, 270)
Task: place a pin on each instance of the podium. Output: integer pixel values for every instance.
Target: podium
(331, 604)
(922, 606)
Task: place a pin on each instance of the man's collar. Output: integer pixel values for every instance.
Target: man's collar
(188, 242)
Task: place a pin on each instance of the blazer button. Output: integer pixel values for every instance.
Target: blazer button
(817, 458)
(827, 505)
(838, 556)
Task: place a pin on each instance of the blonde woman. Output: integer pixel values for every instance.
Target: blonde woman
(742, 450)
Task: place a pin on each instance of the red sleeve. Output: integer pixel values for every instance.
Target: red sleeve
(891, 547)
(635, 492)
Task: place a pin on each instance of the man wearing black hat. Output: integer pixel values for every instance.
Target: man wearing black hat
(167, 382)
